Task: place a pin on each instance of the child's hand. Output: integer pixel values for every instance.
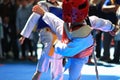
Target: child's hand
(21, 40)
(38, 9)
(115, 31)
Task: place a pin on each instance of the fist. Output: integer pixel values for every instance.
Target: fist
(38, 9)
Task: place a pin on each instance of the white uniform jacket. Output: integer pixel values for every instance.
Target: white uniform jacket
(33, 19)
(78, 44)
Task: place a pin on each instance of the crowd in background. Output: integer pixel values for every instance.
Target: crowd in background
(105, 9)
(15, 13)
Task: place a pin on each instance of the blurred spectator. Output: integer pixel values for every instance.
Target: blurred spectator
(1, 1)
(23, 13)
(14, 37)
(6, 39)
(34, 34)
(1, 37)
(107, 38)
(115, 7)
(17, 3)
(8, 13)
(95, 9)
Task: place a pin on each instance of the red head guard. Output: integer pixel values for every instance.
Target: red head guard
(75, 10)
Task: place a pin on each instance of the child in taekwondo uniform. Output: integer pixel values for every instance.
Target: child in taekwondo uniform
(46, 38)
(74, 34)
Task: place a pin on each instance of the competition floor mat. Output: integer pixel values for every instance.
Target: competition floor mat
(24, 70)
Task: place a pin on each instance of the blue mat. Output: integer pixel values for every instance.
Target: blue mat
(23, 70)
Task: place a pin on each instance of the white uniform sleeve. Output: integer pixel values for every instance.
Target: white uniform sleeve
(72, 47)
(32, 21)
(55, 23)
(101, 24)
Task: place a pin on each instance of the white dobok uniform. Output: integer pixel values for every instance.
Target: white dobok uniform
(46, 38)
(76, 45)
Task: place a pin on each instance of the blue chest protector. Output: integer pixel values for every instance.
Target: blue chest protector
(56, 11)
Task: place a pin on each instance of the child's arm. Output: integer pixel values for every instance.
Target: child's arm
(101, 24)
(104, 25)
(21, 40)
(55, 23)
(32, 21)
